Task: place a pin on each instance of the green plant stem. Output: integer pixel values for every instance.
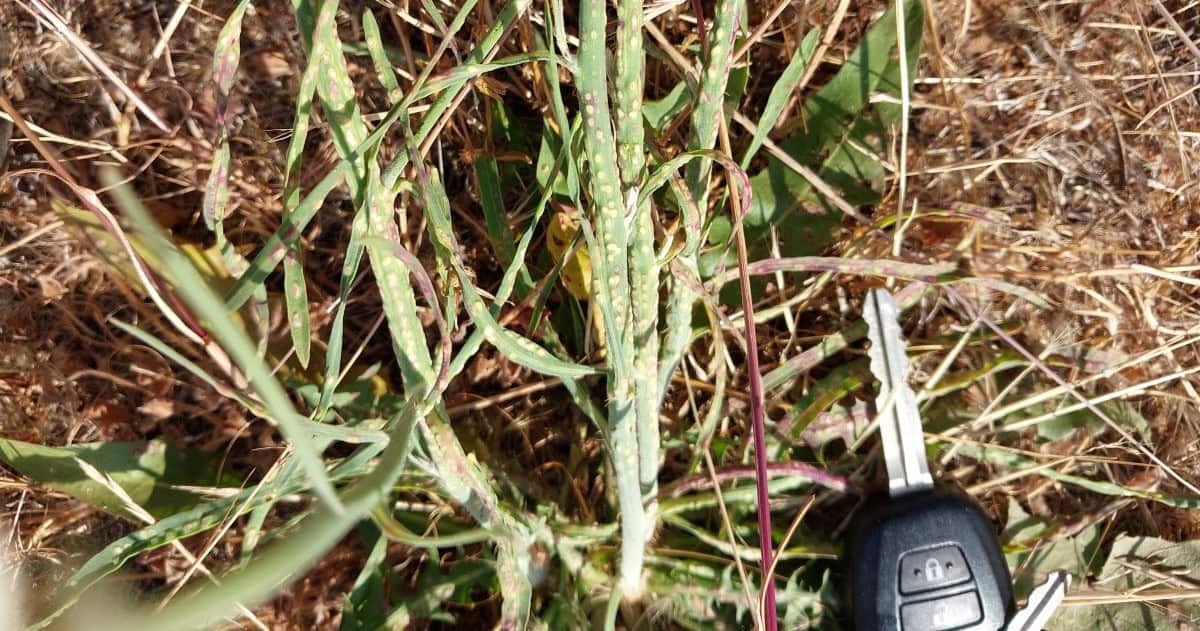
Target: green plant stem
(706, 115)
(610, 282)
(643, 267)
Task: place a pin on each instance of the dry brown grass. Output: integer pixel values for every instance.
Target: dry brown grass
(1079, 121)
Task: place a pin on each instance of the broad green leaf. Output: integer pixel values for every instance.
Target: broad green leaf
(838, 123)
(365, 606)
(434, 589)
(1120, 411)
(149, 472)
(1136, 568)
(1034, 550)
(660, 112)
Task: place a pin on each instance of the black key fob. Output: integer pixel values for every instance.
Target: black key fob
(927, 560)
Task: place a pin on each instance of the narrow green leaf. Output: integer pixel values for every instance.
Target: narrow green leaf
(467, 483)
(470, 71)
(226, 56)
(299, 324)
(788, 371)
(377, 202)
(707, 113)
(148, 471)
(295, 290)
(781, 92)
(333, 351)
(332, 432)
(273, 250)
(216, 187)
(1017, 461)
(208, 306)
(660, 112)
(709, 106)
(180, 526)
(519, 349)
(487, 175)
(379, 58)
(611, 288)
(290, 556)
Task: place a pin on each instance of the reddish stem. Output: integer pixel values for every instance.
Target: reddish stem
(770, 618)
(702, 31)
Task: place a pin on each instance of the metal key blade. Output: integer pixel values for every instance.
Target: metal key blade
(899, 422)
(1042, 603)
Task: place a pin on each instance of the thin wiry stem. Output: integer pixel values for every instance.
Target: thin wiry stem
(769, 615)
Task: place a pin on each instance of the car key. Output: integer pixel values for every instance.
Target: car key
(1043, 600)
(923, 558)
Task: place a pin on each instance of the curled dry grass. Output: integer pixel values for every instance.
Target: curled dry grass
(1075, 125)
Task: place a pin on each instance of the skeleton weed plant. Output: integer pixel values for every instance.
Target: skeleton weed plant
(645, 219)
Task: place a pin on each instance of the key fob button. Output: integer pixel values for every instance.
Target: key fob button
(933, 568)
(950, 612)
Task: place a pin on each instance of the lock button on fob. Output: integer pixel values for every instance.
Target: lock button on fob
(923, 559)
(933, 568)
